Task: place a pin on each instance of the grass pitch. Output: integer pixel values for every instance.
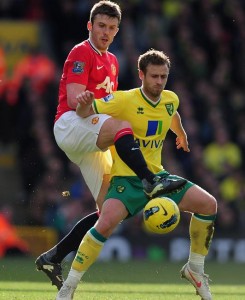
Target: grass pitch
(136, 280)
(115, 291)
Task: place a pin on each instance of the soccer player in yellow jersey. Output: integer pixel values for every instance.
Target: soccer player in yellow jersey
(152, 111)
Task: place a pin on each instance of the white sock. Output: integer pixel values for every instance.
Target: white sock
(196, 262)
(74, 277)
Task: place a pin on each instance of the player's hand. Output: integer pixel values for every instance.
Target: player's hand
(85, 98)
(182, 142)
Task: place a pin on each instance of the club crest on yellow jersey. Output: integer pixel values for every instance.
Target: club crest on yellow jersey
(170, 108)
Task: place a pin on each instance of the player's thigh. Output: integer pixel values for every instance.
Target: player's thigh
(198, 200)
(113, 212)
(103, 191)
(108, 131)
(129, 191)
(93, 168)
(76, 135)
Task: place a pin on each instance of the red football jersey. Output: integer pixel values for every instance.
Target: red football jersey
(86, 65)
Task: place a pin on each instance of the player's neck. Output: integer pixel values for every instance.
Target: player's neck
(151, 99)
(95, 48)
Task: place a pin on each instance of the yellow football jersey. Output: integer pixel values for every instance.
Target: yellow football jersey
(150, 123)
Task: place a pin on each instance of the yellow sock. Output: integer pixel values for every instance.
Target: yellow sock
(201, 233)
(88, 250)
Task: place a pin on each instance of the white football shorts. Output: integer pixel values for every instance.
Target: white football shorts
(77, 137)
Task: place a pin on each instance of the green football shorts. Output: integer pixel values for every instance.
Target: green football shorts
(129, 191)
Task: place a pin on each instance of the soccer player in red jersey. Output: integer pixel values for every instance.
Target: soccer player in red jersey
(87, 67)
(90, 66)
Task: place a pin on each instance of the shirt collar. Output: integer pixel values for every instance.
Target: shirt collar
(94, 48)
(148, 99)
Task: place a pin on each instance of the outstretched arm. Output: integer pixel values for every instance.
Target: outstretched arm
(84, 106)
(178, 129)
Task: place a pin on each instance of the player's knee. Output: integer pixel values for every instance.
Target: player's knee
(121, 124)
(125, 124)
(105, 227)
(211, 206)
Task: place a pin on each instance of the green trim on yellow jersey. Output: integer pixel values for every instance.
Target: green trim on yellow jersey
(147, 100)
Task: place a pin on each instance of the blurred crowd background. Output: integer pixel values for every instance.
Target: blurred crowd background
(205, 40)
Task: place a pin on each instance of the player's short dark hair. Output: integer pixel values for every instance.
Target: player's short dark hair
(153, 57)
(105, 7)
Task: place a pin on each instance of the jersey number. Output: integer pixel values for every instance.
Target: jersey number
(107, 84)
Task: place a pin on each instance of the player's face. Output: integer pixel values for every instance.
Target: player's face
(103, 31)
(154, 80)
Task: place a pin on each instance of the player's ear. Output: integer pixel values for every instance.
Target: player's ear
(141, 75)
(116, 32)
(89, 25)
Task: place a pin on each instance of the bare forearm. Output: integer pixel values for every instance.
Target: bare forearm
(84, 110)
(178, 129)
(73, 89)
(176, 125)
(84, 104)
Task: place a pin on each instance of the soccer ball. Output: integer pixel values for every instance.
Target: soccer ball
(161, 215)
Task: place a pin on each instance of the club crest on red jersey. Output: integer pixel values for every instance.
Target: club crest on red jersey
(95, 120)
(113, 69)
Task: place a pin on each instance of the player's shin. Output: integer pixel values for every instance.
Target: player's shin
(201, 234)
(129, 151)
(72, 240)
(87, 253)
